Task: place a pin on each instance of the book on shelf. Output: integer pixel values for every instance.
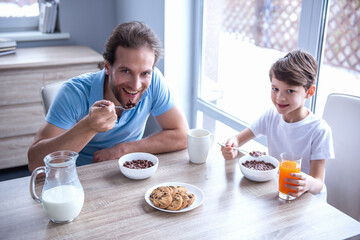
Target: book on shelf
(7, 46)
(7, 49)
(48, 15)
(53, 15)
(7, 52)
(6, 43)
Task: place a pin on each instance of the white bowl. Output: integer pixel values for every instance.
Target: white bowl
(258, 175)
(138, 173)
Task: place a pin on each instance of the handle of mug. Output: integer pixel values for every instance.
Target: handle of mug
(32, 183)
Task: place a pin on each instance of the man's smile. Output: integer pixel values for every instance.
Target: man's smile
(131, 93)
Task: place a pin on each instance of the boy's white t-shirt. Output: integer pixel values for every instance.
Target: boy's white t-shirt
(310, 137)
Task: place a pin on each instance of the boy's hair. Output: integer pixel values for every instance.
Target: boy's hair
(134, 35)
(297, 68)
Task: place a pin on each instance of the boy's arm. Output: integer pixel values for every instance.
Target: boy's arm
(244, 136)
(316, 182)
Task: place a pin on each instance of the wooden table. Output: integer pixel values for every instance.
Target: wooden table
(234, 207)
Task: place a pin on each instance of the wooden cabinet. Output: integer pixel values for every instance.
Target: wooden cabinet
(21, 77)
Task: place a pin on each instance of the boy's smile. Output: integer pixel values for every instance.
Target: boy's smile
(289, 100)
(282, 105)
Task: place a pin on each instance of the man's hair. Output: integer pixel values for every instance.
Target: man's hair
(297, 68)
(131, 35)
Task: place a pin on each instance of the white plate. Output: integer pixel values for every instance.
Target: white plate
(199, 196)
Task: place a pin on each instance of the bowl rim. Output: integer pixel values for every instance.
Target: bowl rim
(121, 161)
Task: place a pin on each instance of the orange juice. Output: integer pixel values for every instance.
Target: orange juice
(287, 167)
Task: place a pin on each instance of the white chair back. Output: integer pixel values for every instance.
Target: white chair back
(48, 92)
(342, 178)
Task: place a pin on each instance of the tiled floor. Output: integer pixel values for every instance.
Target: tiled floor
(12, 173)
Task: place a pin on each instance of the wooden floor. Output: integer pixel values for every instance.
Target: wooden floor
(12, 173)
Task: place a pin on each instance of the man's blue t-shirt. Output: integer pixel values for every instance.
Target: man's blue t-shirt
(77, 95)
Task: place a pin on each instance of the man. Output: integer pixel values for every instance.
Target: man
(83, 117)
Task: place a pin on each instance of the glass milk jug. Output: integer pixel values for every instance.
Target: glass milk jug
(62, 196)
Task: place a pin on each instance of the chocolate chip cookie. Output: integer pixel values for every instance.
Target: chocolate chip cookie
(161, 197)
(176, 203)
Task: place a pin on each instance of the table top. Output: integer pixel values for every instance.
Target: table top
(115, 207)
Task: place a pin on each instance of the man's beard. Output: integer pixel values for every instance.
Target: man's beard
(117, 94)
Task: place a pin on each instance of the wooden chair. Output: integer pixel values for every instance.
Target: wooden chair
(342, 176)
(48, 92)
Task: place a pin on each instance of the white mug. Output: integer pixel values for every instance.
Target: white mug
(199, 142)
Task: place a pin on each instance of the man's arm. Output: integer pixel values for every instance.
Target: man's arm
(51, 138)
(172, 137)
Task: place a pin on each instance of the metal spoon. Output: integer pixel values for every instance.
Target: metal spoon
(235, 148)
(121, 108)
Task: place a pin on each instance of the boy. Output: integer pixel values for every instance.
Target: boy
(290, 126)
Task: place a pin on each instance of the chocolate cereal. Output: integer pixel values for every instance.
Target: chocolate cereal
(138, 164)
(258, 165)
(257, 153)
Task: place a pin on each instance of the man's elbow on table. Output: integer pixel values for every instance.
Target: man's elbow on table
(32, 160)
(182, 138)
(175, 123)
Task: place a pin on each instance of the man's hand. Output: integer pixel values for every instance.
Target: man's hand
(107, 154)
(102, 116)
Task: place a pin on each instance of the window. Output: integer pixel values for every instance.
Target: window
(19, 15)
(239, 41)
(340, 68)
(224, 131)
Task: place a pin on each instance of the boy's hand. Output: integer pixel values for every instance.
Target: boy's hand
(300, 184)
(228, 152)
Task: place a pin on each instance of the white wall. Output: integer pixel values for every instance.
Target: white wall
(179, 51)
(149, 12)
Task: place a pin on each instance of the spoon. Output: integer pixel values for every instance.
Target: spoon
(235, 148)
(121, 108)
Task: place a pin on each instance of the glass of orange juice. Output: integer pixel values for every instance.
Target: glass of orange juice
(289, 163)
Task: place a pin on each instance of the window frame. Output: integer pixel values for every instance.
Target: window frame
(311, 37)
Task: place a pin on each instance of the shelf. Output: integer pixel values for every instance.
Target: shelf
(34, 36)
